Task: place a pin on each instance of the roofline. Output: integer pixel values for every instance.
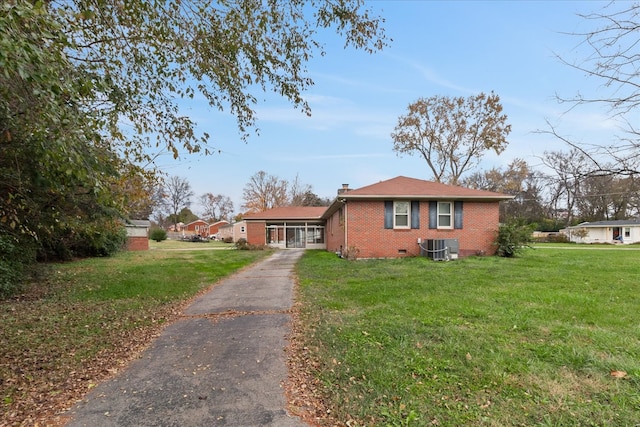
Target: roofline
(609, 223)
(291, 218)
(342, 199)
(491, 198)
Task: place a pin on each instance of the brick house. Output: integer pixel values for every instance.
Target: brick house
(215, 227)
(287, 227)
(394, 218)
(197, 227)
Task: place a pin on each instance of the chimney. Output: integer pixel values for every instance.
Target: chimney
(344, 189)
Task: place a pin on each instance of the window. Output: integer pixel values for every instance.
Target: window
(315, 234)
(401, 214)
(627, 232)
(444, 215)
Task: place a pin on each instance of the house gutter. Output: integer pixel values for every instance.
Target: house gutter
(426, 197)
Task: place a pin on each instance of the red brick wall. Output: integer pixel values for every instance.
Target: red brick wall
(137, 243)
(334, 232)
(366, 230)
(256, 234)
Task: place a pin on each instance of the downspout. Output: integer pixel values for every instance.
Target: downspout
(346, 222)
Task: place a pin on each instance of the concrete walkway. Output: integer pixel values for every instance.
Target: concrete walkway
(221, 364)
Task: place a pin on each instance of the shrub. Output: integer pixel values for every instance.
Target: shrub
(228, 240)
(15, 257)
(512, 238)
(158, 234)
(243, 245)
(351, 253)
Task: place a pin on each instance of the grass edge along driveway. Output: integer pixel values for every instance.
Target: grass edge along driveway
(81, 322)
(548, 338)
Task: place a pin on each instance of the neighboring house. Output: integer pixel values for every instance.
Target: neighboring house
(176, 228)
(615, 231)
(235, 231)
(215, 227)
(394, 218)
(196, 227)
(138, 235)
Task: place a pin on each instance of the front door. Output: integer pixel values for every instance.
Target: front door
(617, 233)
(296, 237)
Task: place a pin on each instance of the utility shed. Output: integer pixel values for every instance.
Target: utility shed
(138, 234)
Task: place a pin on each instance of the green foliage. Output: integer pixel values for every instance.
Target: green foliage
(87, 88)
(512, 238)
(15, 257)
(158, 234)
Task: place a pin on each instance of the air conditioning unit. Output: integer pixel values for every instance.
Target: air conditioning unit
(440, 249)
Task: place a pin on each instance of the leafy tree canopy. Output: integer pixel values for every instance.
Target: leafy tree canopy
(144, 56)
(452, 133)
(89, 88)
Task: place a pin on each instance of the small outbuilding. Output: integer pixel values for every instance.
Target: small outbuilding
(138, 234)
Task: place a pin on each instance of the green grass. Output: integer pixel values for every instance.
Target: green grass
(85, 319)
(479, 341)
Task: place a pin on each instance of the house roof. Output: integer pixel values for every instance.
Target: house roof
(139, 223)
(402, 187)
(413, 188)
(610, 223)
(198, 221)
(289, 213)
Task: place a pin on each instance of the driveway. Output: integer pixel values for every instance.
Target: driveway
(221, 364)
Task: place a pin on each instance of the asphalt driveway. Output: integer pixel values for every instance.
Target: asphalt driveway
(221, 364)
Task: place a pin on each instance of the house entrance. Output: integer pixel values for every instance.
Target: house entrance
(296, 237)
(617, 233)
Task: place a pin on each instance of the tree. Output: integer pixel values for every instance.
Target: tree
(518, 180)
(177, 197)
(146, 55)
(58, 173)
(564, 187)
(264, 191)
(298, 191)
(216, 207)
(312, 199)
(452, 133)
(90, 89)
(613, 60)
(606, 197)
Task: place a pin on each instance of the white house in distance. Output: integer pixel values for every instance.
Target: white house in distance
(617, 231)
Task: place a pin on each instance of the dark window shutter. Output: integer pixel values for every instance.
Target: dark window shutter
(457, 215)
(388, 214)
(433, 214)
(415, 214)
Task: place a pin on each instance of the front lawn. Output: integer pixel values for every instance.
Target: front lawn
(81, 322)
(551, 338)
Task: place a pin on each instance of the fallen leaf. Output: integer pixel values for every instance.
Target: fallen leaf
(618, 374)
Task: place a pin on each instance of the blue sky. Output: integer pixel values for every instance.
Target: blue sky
(455, 48)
